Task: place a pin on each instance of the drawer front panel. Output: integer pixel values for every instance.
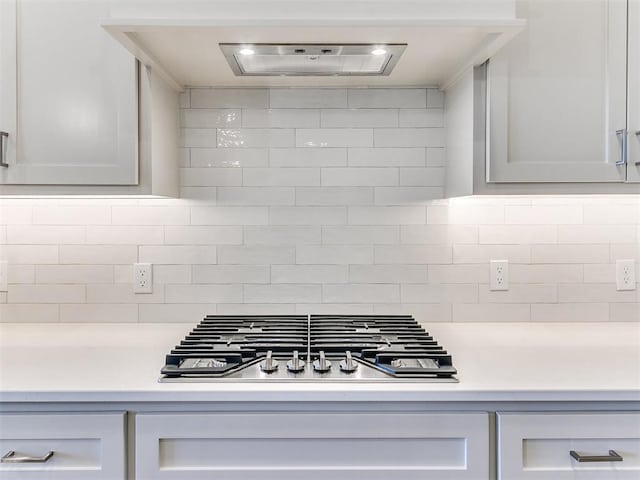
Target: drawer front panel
(537, 446)
(322, 446)
(84, 446)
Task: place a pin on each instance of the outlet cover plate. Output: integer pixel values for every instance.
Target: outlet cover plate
(499, 275)
(142, 278)
(626, 275)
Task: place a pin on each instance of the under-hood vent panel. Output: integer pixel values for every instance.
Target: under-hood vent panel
(311, 59)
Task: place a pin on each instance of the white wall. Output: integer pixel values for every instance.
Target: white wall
(316, 201)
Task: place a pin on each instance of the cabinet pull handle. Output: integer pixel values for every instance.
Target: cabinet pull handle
(2, 162)
(612, 457)
(622, 136)
(10, 457)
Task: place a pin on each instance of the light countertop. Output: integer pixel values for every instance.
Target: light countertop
(495, 362)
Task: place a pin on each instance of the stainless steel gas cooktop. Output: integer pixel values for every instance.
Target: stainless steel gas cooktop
(312, 348)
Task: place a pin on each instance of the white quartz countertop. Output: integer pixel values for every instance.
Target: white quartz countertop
(495, 361)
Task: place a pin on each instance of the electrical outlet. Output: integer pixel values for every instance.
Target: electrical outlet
(626, 274)
(499, 275)
(4, 274)
(142, 278)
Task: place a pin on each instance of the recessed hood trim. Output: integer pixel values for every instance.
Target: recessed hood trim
(303, 60)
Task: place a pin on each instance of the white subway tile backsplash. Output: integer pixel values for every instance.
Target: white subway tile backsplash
(302, 274)
(281, 177)
(149, 215)
(334, 137)
(361, 293)
(203, 294)
(281, 118)
(229, 98)
(231, 274)
(209, 118)
(30, 312)
(308, 98)
(203, 177)
(97, 254)
(308, 215)
(334, 196)
(308, 157)
(47, 294)
(229, 157)
(229, 215)
(406, 195)
(359, 118)
(183, 254)
(413, 254)
(255, 137)
(359, 177)
(409, 137)
(282, 293)
(420, 117)
(256, 196)
(317, 201)
(388, 274)
(255, 255)
(387, 97)
(203, 235)
(334, 255)
(387, 157)
(73, 274)
(285, 235)
(37, 234)
(406, 215)
(99, 313)
(198, 137)
(360, 235)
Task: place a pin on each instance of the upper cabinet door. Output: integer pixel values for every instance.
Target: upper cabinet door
(633, 173)
(68, 96)
(557, 95)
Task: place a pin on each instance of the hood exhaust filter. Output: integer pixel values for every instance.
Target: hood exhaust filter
(311, 59)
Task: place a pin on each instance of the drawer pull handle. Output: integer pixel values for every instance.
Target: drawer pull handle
(11, 458)
(612, 457)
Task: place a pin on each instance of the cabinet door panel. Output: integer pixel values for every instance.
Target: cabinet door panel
(557, 94)
(537, 446)
(317, 447)
(76, 100)
(634, 92)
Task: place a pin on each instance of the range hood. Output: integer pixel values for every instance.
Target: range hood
(185, 41)
(311, 59)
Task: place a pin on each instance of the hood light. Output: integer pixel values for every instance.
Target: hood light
(379, 51)
(247, 51)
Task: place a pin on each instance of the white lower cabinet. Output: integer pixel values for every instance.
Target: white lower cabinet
(55, 446)
(539, 446)
(327, 446)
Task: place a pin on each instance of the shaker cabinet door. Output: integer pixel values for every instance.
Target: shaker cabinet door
(322, 446)
(68, 96)
(634, 92)
(557, 95)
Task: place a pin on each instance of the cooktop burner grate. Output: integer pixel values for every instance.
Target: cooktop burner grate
(308, 348)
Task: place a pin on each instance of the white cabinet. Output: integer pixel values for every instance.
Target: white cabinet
(557, 95)
(538, 446)
(633, 172)
(288, 446)
(57, 446)
(68, 96)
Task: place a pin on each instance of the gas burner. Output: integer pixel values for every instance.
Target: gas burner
(361, 347)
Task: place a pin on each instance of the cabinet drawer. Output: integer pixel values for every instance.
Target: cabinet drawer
(347, 446)
(537, 446)
(84, 446)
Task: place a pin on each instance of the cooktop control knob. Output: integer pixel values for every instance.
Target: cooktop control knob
(321, 365)
(295, 365)
(348, 365)
(269, 365)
